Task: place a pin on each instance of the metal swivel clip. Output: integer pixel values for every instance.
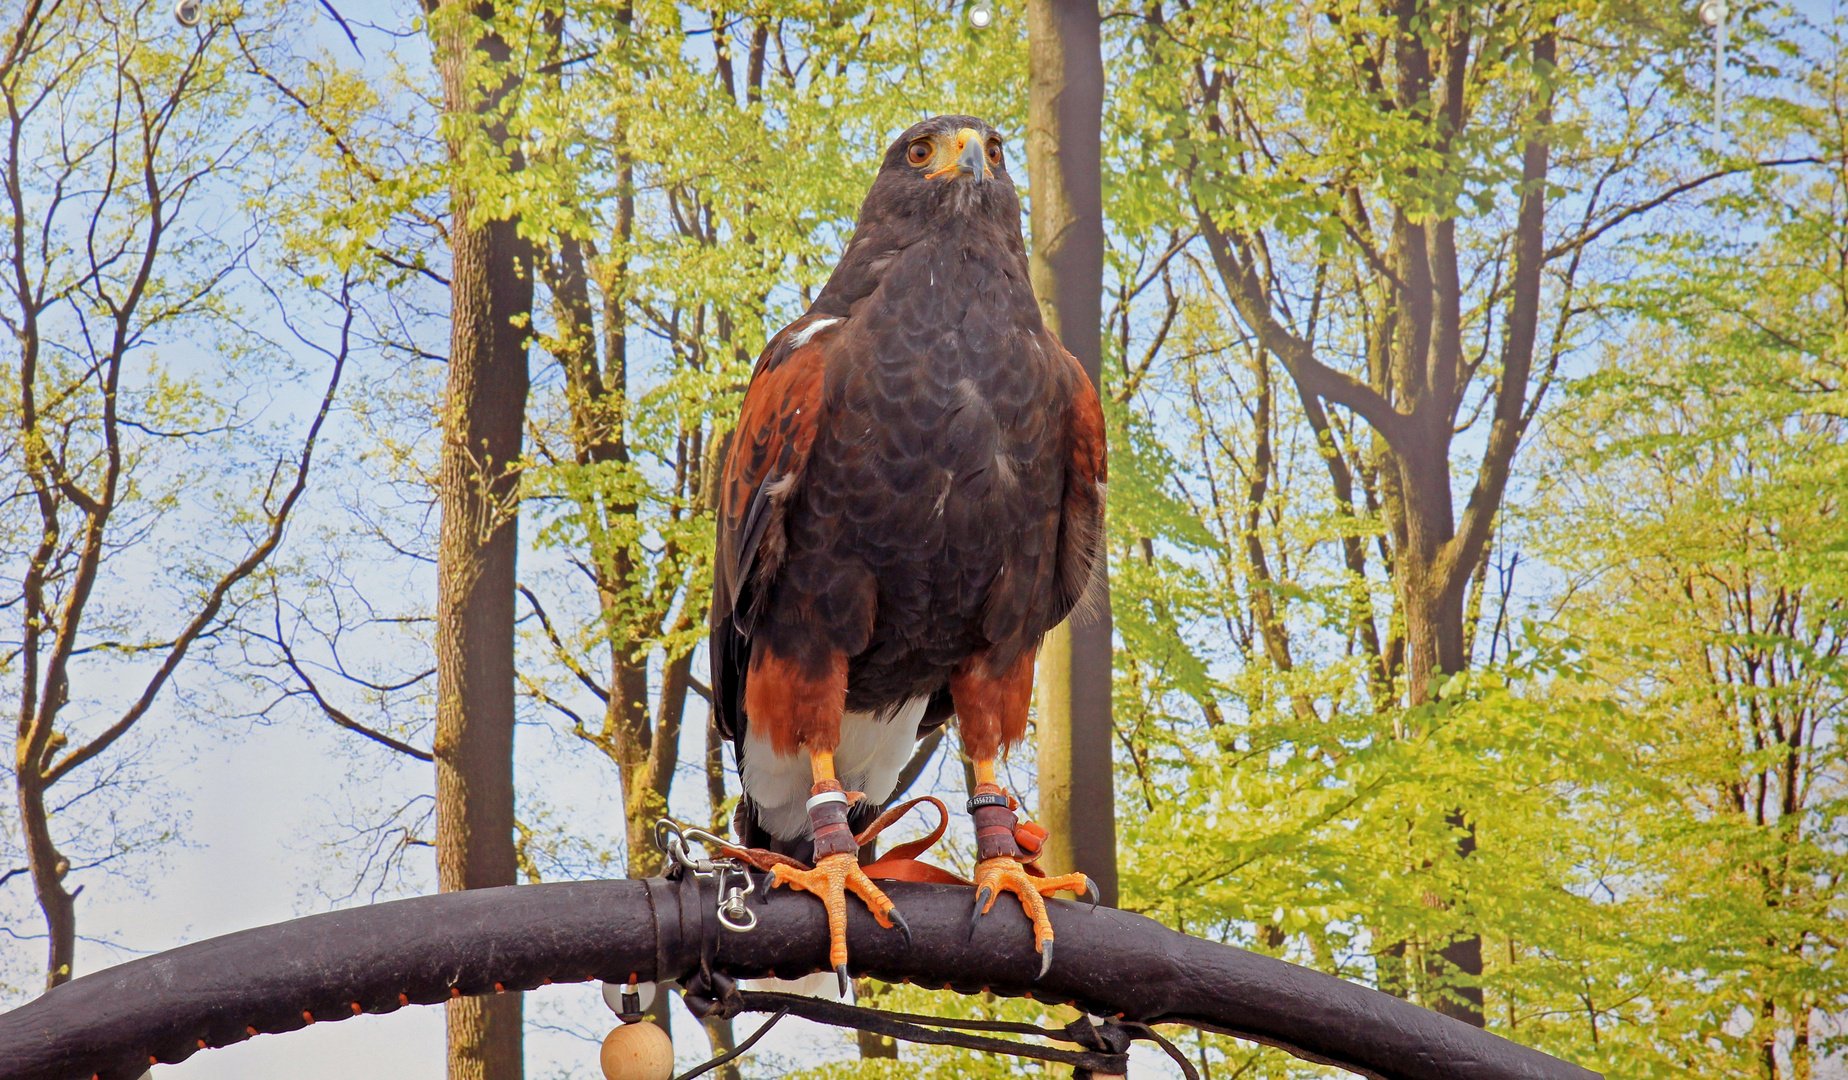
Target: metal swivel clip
(732, 877)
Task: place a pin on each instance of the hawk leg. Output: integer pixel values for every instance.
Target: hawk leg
(991, 709)
(837, 867)
(1005, 867)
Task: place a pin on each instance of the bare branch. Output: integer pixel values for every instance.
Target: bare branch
(335, 714)
(565, 656)
(1252, 300)
(221, 589)
(915, 767)
(1624, 214)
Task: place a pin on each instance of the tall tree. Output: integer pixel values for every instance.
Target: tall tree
(117, 162)
(484, 413)
(1073, 730)
(1709, 456)
(1412, 191)
(1398, 227)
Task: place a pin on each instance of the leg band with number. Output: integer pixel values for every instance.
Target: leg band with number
(994, 823)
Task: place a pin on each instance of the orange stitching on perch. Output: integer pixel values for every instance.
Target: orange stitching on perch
(499, 989)
(252, 1029)
(308, 1016)
(404, 999)
(202, 1045)
(455, 991)
(356, 1009)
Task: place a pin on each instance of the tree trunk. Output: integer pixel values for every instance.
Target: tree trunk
(48, 868)
(491, 296)
(1064, 176)
(1416, 382)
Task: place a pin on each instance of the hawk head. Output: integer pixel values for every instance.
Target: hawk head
(946, 166)
(944, 180)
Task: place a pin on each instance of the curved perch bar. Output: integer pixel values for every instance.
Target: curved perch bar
(376, 959)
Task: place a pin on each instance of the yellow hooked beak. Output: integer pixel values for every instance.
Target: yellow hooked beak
(967, 156)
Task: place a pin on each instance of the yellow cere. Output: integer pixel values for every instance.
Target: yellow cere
(943, 161)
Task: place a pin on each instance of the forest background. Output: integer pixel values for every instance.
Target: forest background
(229, 246)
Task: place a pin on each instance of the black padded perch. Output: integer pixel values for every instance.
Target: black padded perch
(376, 959)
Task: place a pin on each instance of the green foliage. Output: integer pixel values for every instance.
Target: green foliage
(1610, 744)
(1646, 749)
(944, 1062)
(1707, 453)
(1679, 541)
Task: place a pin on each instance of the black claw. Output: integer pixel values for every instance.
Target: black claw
(904, 928)
(1045, 960)
(1091, 890)
(840, 973)
(975, 914)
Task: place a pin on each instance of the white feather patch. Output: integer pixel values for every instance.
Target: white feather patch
(873, 751)
(806, 334)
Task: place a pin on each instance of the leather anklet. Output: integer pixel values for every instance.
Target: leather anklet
(827, 812)
(994, 823)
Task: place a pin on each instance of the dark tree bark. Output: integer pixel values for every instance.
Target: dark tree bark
(491, 297)
(1064, 177)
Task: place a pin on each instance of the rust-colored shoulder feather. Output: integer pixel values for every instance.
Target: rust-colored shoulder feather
(770, 446)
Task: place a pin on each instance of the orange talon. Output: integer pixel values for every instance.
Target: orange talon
(1006, 874)
(833, 877)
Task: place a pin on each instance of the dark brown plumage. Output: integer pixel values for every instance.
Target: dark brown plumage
(912, 498)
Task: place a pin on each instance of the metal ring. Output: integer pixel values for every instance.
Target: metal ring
(825, 798)
(671, 837)
(976, 802)
(744, 925)
(733, 901)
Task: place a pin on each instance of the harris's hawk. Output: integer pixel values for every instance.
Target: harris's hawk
(913, 497)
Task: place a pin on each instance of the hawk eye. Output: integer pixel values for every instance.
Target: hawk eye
(994, 152)
(920, 152)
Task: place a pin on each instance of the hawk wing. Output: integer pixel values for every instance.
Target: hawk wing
(769, 448)
(1081, 524)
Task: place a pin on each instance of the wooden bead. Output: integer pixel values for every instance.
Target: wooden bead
(638, 1052)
